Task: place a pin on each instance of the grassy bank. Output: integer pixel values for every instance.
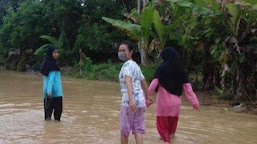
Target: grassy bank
(105, 72)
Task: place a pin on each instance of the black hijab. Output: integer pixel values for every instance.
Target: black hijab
(171, 73)
(49, 63)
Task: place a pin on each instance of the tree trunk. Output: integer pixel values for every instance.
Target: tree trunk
(139, 7)
(246, 90)
(223, 77)
(143, 46)
(145, 3)
(144, 58)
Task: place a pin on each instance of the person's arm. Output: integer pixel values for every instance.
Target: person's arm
(148, 101)
(191, 96)
(50, 83)
(153, 86)
(145, 89)
(132, 103)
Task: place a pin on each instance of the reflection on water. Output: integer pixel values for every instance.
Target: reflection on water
(91, 116)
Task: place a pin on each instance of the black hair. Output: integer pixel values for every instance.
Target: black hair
(128, 43)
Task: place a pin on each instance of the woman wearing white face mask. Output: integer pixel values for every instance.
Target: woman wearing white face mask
(134, 96)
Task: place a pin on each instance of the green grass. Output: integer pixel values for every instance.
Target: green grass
(105, 72)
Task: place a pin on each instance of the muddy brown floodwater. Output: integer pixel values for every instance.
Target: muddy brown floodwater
(91, 116)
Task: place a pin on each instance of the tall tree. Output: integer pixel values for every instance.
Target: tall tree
(5, 5)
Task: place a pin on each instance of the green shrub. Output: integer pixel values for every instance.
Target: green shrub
(8, 67)
(13, 66)
(226, 95)
(21, 65)
(36, 66)
(107, 71)
(149, 72)
(2, 61)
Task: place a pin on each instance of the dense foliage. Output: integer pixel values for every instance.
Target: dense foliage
(79, 23)
(216, 39)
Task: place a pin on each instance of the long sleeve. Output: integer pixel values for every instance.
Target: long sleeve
(153, 85)
(191, 96)
(50, 82)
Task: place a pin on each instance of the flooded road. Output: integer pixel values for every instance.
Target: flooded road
(91, 116)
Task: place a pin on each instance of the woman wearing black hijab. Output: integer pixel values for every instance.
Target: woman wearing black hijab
(52, 90)
(169, 81)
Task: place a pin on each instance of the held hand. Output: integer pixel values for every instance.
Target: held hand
(49, 94)
(197, 107)
(132, 104)
(149, 102)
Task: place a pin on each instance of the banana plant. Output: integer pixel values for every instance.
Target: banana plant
(240, 18)
(140, 32)
(235, 17)
(41, 51)
(163, 31)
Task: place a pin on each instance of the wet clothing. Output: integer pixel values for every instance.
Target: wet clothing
(166, 126)
(169, 81)
(171, 73)
(168, 104)
(53, 104)
(53, 84)
(130, 120)
(131, 69)
(168, 107)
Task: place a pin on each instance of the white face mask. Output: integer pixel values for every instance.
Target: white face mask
(123, 56)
